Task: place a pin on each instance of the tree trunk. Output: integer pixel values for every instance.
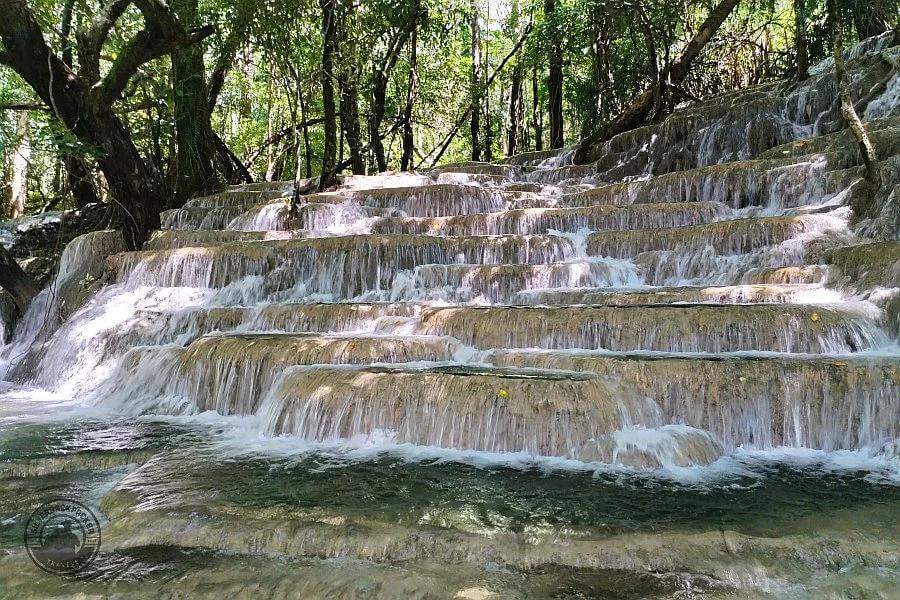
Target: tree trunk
(79, 179)
(329, 44)
(597, 88)
(537, 118)
(270, 103)
(381, 73)
(16, 281)
(379, 98)
(194, 167)
(652, 62)
(84, 106)
(411, 91)
(555, 78)
(488, 152)
(65, 32)
(21, 159)
(307, 151)
(800, 42)
(515, 106)
(349, 94)
(348, 91)
(848, 113)
(135, 190)
(636, 114)
(475, 80)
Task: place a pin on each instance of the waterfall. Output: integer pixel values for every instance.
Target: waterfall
(687, 295)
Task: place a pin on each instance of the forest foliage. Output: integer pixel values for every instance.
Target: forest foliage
(411, 83)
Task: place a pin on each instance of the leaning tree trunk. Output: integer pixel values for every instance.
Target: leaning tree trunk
(194, 169)
(136, 191)
(329, 44)
(851, 118)
(555, 78)
(636, 114)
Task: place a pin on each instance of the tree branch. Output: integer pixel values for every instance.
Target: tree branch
(223, 65)
(224, 62)
(90, 42)
(277, 137)
(26, 51)
(161, 35)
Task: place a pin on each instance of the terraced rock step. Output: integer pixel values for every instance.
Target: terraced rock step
(177, 324)
(175, 239)
(426, 200)
(235, 197)
(496, 410)
(505, 284)
(811, 293)
(662, 327)
(345, 266)
(773, 183)
(231, 373)
(201, 218)
(540, 220)
(761, 401)
(802, 274)
(481, 168)
(281, 317)
(739, 236)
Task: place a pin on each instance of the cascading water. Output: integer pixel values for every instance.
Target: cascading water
(677, 360)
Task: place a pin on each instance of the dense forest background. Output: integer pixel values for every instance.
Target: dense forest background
(211, 92)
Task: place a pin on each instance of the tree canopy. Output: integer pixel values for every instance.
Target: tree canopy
(209, 92)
